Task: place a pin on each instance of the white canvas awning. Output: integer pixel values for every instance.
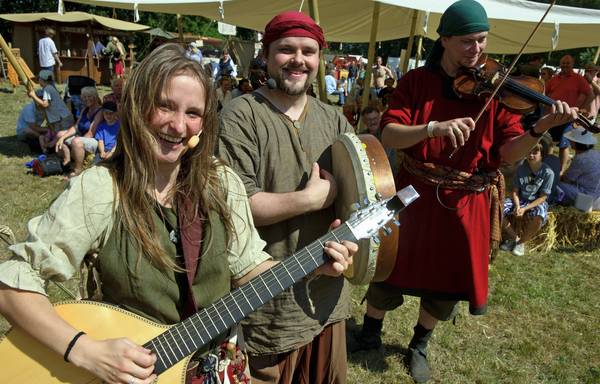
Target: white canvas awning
(350, 20)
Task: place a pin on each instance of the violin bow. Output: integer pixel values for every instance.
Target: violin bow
(510, 68)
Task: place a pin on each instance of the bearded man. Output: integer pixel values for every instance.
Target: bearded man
(279, 140)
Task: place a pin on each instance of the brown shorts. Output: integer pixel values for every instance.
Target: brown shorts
(387, 297)
(323, 360)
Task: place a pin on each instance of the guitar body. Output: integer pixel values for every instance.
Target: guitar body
(24, 360)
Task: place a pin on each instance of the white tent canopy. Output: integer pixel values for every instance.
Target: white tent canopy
(511, 21)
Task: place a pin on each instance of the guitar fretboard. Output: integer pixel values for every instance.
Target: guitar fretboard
(198, 330)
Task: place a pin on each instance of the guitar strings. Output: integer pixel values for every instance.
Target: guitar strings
(303, 256)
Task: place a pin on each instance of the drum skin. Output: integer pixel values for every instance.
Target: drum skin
(362, 172)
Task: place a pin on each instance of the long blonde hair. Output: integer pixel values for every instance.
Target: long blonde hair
(134, 162)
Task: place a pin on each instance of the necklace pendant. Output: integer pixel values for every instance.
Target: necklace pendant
(173, 236)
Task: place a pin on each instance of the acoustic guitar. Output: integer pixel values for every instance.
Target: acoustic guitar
(25, 360)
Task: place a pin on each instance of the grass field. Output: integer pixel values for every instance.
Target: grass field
(543, 324)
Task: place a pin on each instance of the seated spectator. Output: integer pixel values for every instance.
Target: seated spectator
(224, 95)
(74, 143)
(386, 93)
(58, 116)
(583, 175)
(107, 131)
(243, 87)
(531, 187)
(29, 123)
(332, 88)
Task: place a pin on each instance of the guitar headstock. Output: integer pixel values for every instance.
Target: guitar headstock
(367, 221)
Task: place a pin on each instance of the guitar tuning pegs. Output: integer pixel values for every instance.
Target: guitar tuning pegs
(366, 201)
(396, 222)
(387, 231)
(378, 196)
(376, 239)
(355, 207)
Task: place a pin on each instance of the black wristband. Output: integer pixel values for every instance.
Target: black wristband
(71, 344)
(535, 134)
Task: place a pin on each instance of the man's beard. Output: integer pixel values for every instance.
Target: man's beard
(289, 88)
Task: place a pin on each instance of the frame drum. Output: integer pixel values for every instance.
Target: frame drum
(362, 172)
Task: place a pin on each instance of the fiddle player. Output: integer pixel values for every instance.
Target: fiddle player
(279, 140)
(448, 262)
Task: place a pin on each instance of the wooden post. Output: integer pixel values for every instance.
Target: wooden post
(180, 28)
(596, 55)
(13, 61)
(419, 49)
(371, 57)
(313, 8)
(411, 40)
(131, 55)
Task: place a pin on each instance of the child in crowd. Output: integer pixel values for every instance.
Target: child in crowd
(531, 187)
(107, 131)
(29, 123)
(386, 93)
(57, 114)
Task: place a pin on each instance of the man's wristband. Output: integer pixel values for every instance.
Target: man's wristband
(535, 134)
(71, 344)
(430, 128)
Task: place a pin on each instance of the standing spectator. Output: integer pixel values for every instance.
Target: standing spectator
(573, 89)
(379, 74)
(352, 75)
(116, 51)
(57, 114)
(194, 52)
(47, 52)
(583, 175)
(226, 66)
(593, 103)
(29, 123)
(107, 131)
(531, 187)
(98, 47)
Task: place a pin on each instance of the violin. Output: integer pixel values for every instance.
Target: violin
(520, 94)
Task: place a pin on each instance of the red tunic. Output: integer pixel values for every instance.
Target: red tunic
(444, 253)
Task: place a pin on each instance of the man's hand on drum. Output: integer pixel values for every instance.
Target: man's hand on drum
(320, 190)
(457, 130)
(340, 255)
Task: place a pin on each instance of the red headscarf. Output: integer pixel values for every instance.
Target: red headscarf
(292, 24)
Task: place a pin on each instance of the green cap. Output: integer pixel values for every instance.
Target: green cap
(462, 18)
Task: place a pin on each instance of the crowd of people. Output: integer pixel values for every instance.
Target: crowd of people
(197, 188)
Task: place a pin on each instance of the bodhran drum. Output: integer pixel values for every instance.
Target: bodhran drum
(362, 173)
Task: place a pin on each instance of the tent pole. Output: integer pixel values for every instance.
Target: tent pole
(419, 49)
(371, 57)
(596, 55)
(180, 28)
(313, 8)
(411, 40)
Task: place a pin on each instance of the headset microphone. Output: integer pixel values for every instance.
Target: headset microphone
(193, 141)
(271, 83)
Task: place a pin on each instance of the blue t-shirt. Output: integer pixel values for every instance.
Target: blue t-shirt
(108, 134)
(84, 121)
(531, 185)
(29, 115)
(330, 84)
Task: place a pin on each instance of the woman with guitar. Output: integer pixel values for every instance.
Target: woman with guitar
(452, 161)
(170, 223)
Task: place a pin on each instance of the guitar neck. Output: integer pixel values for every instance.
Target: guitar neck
(198, 330)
